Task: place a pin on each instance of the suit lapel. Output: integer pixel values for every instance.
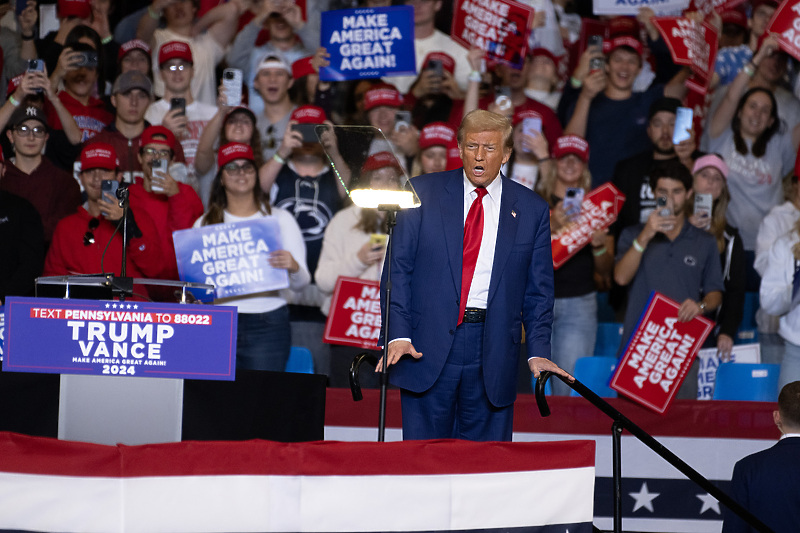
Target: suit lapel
(451, 206)
(506, 235)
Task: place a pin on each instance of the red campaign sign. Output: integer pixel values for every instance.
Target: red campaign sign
(704, 7)
(691, 44)
(499, 27)
(598, 210)
(355, 315)
(785, 24)
(659, 354)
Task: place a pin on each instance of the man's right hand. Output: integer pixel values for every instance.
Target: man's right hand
(398, 349)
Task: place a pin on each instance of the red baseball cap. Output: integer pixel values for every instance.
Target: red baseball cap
(448, 63)
(175, 50)
(232, 152)
(99, 155)
(130, 46)
(437, 134)
(308, 114)
(623, 26)
(382, 94)
(522, 114)
(380, 160)
(150, 134)
(571, 144)
(74, 8)
(620, 41)
(544, 52)
(302, 67)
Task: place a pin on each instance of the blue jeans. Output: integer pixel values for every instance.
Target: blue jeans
(574, 334)
(263, 340)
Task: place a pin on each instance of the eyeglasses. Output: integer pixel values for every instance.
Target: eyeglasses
(269, 142)
(36, 131)
(88, 237)
(176, 68)
(161, 154)
(234, 169)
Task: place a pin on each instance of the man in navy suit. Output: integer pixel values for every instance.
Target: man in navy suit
(767, 483)
(456, 367)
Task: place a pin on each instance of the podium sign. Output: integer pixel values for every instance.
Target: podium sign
(137, 339)
(659, 354)
(355, 315)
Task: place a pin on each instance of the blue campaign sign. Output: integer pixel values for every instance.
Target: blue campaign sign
(368, 43)
(139, 339)
(233, 257)
(2, 331)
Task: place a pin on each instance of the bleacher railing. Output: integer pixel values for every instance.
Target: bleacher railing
(622, 423)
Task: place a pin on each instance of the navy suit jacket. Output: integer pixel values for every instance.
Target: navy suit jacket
(767, 483)
(426, 284)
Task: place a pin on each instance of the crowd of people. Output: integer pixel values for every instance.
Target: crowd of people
(135, 94)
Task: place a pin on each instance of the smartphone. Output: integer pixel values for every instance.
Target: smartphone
(109, 188)
(377, 240)
(596, 41)
(36, 65)
(596, 63)
(436, 66)
(530, 126)
(402, 119)
(683, 123)
(158, 171)
(703, 205)
(307, 131)
(502, 98)
(232, 81)
(178, 103)
(662, 206)
(572, 202)
(87, 59)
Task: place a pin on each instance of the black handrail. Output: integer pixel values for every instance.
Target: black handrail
(621, 422)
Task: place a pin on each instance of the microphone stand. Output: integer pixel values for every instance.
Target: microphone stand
(123, 285)
(391, 219)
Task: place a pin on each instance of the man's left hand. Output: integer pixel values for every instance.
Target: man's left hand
(540, 364)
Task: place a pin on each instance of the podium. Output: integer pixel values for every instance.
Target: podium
(111, 409)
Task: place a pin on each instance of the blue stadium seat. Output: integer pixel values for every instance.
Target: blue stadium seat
(300, 361)
(595, 372)
(747, 381)
(609, 337)
(751, 304)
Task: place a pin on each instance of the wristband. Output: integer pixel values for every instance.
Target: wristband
(702, 306)
(575, 82)
(474, 76)
(599, 252)
(749, 70)
(638, 247)
(279, 159)
(26, 37)
(153, 14)
(13, 101)
(543, 159)
(107, 39)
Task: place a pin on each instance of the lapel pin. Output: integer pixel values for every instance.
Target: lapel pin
(513, 213)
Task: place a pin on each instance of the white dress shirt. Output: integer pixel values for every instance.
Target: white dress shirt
(479, 289)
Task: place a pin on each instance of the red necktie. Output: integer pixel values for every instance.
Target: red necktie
(473, 231)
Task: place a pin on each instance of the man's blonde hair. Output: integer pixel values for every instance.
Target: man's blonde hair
(479, 120)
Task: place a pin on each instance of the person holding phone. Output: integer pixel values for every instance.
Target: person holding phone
(710, 189)
(531, 149)
(180, 112)
(172, 205)
(354, 246)
(89, 241)
(263, 333)
(671, 256)
(563, 184)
